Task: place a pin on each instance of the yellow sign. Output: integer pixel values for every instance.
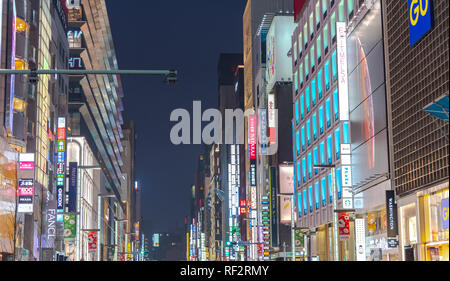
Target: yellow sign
(187, 246)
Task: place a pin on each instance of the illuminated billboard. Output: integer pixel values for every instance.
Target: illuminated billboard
(420, 15)
(278, 64)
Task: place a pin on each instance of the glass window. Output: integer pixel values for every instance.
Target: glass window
(319, 83)
(301, 73)
(296, 113)
(325, 37)
(334, 65)
(324, 6)
(307, 99)
(299, 203)
(330, 187)
(336, 104)
(322, 153)
(295, 50)
(306, 66)
(303, 138)
(298, 142)
(321, 119)
(305, 204)
(329, 149)
(323, 184)
(341, 11)
(309, 166)
(345, 131)
(311, 24)
(317, 12)
(327, 75)
(333, 24)
(304, 169)
(299, 175)
(296, 81)
(328, 111)
(338, 183)
(337, 143)
(310, 191)
(349, 7)
(302, 106)
(319, 47)
(300, 43)
(308, 131)
(305, 35)
(314, 125)
(313, 92)
(316, 159)
(312, 58)
(316, 194)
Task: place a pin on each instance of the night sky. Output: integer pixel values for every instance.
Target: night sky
(187, 36)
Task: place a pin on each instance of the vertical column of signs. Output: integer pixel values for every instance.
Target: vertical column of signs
(26, 183)
(61, 165)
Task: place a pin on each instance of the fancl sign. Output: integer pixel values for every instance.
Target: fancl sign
(420, 14)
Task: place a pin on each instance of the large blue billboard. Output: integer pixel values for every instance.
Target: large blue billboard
(420, 14)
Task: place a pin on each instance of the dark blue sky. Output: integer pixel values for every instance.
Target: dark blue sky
(187, 36)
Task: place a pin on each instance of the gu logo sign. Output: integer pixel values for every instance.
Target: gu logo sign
(420, 19)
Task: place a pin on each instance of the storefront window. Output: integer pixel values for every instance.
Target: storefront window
(408, 227)
(434, 226)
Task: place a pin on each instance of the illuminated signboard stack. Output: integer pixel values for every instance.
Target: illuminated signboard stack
(26, 183)
(265, 226)
(61, 164)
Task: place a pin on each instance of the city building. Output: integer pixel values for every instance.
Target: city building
(417, 82)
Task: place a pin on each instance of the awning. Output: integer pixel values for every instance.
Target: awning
(439, 108)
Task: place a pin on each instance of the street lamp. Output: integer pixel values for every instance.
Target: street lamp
(335, 218)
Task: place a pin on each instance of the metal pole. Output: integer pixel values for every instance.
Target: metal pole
(335, 222)
(84, 72)
(292, 228)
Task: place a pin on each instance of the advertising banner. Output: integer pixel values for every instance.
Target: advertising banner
(287, 178)
(25, 187)
(73, 184)
(271, 121)
(391, 214)
(273, 206)
(299, 238)
(60, 198)
(92, 241)
(420, 19)
(342, 70)
(69, 227)
(252, 136)
(263, 131)
(344, 226)
(51, 223)
(444, 212)
(285, 209)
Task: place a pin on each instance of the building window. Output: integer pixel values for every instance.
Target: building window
(308, 131)
(305, 204)
(325, 38)
(309, 165)
(312, 59)
(319, 48)
(303, 137)
(305, 36)
(339, 183)
(334, 65)
(327, 75)
(324, 8)
(315, 159)
(316, 194)
(307, 99)
(296, 113)
(310, 191)
(296, 81)
(330, 187)
(304, 169)
(323, 184)
(333, 26)
(341, 11)
(317, 14)
(302, 106)
(301, 74)
(300, 44)
(298, 143)
(311, 24)
(314, 125)
(319, 83)
(306, 66)
(350, 8)
(329, 149)
(336, 104)
(299, 203)
(337, 143)
(322, 153)
(295, 51)
(313, 92)
(299, 175)
(346, 132)
(321, 119)
(328, 111)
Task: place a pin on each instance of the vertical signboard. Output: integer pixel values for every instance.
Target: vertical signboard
(273, 206)
(92, 241)
(252, 136)
(271, 121)
(344, 226)
(342, 70)
(286, 175)
(10, 115)
(391, 214)
(26, 183)
(61, 165)
(263, 131)
(73, 180)
(69, 227)
(444, 212)
(360, 240)
(51, 223)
